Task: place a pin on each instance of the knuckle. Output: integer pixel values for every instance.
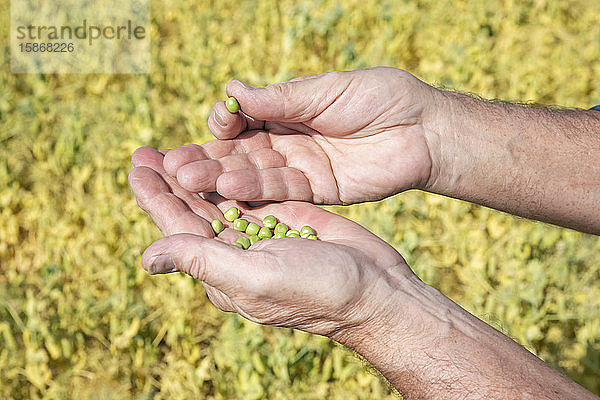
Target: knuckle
(266, 158)
(197, 267)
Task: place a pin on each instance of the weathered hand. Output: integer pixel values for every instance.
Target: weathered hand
(333, 138)
(323, 286)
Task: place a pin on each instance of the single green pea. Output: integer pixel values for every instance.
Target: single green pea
(240, 224)
(306, 230)
(244, 241)
(278, 235)
(238, 244)
(252, 228)
(281, 228)
(232, 214)
(313, 237)
(265, 233)
(270, 221)
(292, 233)
(232, 105)
(217, 226)
(254, 239)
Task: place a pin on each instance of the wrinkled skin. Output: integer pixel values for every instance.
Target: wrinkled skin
(324, 286)
(333, 138)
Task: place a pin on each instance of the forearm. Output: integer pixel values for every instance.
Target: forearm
(430, 348)
(533, 162)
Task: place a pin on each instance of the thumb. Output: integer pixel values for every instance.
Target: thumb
(298, 100)
(208, 260)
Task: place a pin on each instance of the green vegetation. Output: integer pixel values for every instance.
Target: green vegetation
(79, 318)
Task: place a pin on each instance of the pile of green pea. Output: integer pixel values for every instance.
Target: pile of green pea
(271, 229)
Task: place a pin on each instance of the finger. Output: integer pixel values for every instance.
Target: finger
(292, 101)
(201, 176)
(168, 211)
(149, 157)
(245, 143)
(276, 184)
(182, 155)
(190, 153)
(218, 264)
(226, 125)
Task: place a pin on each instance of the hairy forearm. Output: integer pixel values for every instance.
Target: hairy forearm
(430, 348)
(534, 162)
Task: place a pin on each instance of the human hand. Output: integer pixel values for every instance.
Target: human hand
(350, 286)
(333, 138)
(326, 286)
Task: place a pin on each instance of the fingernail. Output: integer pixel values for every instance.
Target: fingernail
(219, 120)
(244, 85)
(161, 264)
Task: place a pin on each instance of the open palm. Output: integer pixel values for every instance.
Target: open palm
(318, 286)
(335, 138)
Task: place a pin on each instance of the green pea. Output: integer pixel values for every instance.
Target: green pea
(254, 239)
(292, 233)
(240, 224)
(238, 244)
(232, 105)
(217, 226)
(281, 228)
(278, 235)
(270, 221)
(313, 237)
(265, 233)
(244, 241)
(232, 214)
(306, 230)
(252, 228)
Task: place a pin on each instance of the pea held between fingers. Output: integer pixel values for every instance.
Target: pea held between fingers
(232, 105)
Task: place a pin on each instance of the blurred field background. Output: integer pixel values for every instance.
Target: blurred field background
(79, 318)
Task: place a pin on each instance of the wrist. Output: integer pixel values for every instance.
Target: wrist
(439, 117)
(393, 330)
(462, 144)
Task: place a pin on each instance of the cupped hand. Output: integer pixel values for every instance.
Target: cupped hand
(321, 286)
(333, 138)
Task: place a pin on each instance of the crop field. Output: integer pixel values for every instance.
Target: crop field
(80, 318)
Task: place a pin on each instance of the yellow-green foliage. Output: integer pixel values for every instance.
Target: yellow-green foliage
(80, 319)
